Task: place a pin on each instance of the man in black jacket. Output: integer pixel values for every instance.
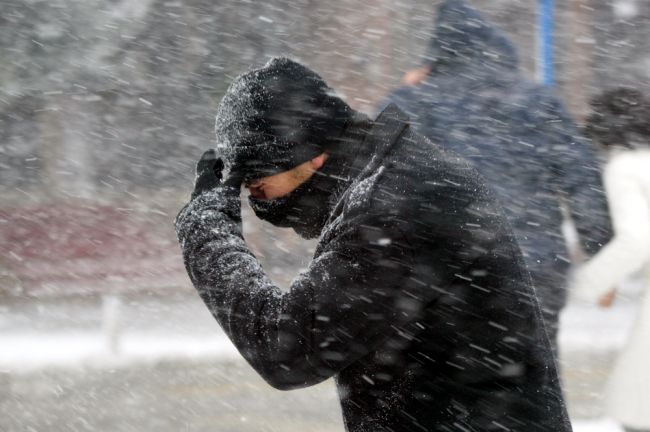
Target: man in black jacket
(417, 301)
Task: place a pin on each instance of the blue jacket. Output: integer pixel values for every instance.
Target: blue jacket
(518, 136)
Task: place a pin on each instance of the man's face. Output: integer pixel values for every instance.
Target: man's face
(279, 185)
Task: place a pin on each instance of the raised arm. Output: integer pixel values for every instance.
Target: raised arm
(339, 310)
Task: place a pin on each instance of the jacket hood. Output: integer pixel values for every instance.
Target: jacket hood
(274, 118)
(463, 37)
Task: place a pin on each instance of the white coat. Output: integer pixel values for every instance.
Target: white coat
(627, 182)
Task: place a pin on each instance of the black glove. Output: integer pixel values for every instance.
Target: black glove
(211, 192)
(213, 215)
(208, 173)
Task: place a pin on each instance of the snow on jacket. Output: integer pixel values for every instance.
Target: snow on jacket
(517, 135)
(417, 301)
(627, 182)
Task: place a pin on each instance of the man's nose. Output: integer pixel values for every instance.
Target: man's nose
(256, 192)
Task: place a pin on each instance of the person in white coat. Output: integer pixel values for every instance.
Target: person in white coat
(620, 123)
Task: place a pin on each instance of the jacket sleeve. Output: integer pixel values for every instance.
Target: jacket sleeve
(577, 177)
(629, 248)
(337, 311)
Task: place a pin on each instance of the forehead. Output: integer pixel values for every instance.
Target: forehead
(273, 178)
(260, 171)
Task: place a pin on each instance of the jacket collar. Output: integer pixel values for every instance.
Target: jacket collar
(384, 133)
(389, 125)
(380, 139)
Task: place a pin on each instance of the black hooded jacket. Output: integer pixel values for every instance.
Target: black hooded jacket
(417, 301)
(518, 136)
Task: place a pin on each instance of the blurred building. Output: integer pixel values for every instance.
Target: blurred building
(105, 106)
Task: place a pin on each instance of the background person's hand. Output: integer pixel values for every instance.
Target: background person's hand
(415, 76)
(607, 300)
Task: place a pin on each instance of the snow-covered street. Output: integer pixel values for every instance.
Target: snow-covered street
(92, 364)
(37, 336)
(379, 201)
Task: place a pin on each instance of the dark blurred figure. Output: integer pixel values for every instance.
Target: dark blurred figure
(620, 124)
(470, 97)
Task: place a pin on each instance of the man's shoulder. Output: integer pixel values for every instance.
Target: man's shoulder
(424, 160)
(416, 179)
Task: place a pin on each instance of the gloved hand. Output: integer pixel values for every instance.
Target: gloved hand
(214, 200)
(208, 173)
(209, 226)
(209, 178)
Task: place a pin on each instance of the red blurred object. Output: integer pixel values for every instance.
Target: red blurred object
(65, 249)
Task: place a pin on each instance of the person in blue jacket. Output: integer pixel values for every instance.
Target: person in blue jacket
(470, 97)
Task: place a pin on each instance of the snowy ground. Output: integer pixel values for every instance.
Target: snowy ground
(604, 425)
(80, 345)
(103, 333)
(81, 332)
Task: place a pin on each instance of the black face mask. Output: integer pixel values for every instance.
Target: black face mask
(309, 206)
(306, 209)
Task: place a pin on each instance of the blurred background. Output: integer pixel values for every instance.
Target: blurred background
(104, 108)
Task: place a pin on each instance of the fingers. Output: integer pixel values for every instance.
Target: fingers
(206, 175)
(208, 162)
(208, 156)
(415, 76)
(209, 166)
(209, 175)
(217, 169)
(607, 300)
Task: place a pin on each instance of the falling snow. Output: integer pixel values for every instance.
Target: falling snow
(105, 107)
